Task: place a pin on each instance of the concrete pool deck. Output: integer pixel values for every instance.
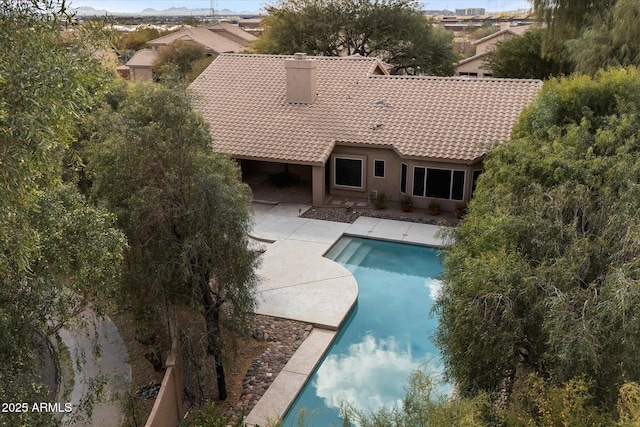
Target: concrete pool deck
(299, 283)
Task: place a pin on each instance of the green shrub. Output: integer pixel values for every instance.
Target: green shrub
(208, 416)
(424, 405)
(539, 402)
(381, 200)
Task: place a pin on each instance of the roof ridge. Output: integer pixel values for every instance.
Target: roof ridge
(473, 58)
(450, 78)
(323, 58)
(500, 32)
(169, 35)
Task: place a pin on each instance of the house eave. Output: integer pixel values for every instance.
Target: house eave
(281, 161)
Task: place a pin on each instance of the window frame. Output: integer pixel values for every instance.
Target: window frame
(404, 172)
(425, 180)
(475, 174)
(384, 168)
(423, 184)
(335, 170)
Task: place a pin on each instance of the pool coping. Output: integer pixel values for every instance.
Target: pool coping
(314, 289)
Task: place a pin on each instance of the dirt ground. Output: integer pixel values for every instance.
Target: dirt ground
(201, 385)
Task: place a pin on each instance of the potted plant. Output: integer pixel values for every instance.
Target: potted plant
(460, 211)
(434, 209)
(406, 202)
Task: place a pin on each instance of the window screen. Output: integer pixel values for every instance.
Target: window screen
(457, 187)
(348, 172)
(378, 168)
(418, 181)
(403, 178)
(438, 183)
(476, 175)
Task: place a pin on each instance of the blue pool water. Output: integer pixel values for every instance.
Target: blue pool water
(387, 336)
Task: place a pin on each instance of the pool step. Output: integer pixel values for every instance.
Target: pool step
(359, 255)
(350, 252)
(345, 253)
(337, 248)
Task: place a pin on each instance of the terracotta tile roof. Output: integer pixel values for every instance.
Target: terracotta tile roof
(243, 98)
(209, 39)
(472, 58)
(234, 31)
(143, 58)
(517, 31)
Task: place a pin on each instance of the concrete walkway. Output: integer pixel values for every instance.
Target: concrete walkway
(299, 283)
(108, 366)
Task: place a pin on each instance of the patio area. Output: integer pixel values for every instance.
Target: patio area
(337, 208)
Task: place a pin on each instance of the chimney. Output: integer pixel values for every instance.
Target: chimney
(505, 25)
(301, 79)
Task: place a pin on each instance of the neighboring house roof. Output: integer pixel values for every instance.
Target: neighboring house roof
(250, 22)
(211, 40)
(516, 31)
(234, 31)
(143, 58)
(243, 98)
(473, 58)
(488, 43)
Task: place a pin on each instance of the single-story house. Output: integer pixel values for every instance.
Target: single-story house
(352, 129)
(251, 25)
(219, 38)
(475, 66)
(140, 64)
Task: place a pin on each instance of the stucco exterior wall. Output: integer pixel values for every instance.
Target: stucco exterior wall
(390, 184)
(490, 43)
(475, 68)
(141, 73)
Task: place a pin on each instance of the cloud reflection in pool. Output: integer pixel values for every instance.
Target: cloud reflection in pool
(434, 286)
(385, 339)
(370, 375)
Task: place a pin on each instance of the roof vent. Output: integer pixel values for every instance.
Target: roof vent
(301, 79)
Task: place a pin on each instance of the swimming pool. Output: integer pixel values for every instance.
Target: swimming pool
(386, 337)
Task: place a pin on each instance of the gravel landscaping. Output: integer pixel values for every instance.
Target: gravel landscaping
(283, 337)
(346, 216)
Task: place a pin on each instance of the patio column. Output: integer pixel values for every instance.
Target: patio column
(317, 185)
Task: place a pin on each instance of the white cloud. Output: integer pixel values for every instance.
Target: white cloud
(434, 286)
(373, 373)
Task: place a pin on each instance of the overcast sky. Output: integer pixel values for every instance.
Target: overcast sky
(255, 5)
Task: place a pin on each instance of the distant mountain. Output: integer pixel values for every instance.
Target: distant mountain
(173, 11)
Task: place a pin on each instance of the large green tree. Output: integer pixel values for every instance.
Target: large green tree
(567, 17)
(523, 58)
(182, 59)
(395, 31)
(594, 35)
(609, 40)
(138, 39)
(543, 274)
(57, 254)
(183, 208)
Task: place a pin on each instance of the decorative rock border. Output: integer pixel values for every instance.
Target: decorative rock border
(283, 338)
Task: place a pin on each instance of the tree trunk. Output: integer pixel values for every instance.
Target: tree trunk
(213, 329)
(212, 319)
